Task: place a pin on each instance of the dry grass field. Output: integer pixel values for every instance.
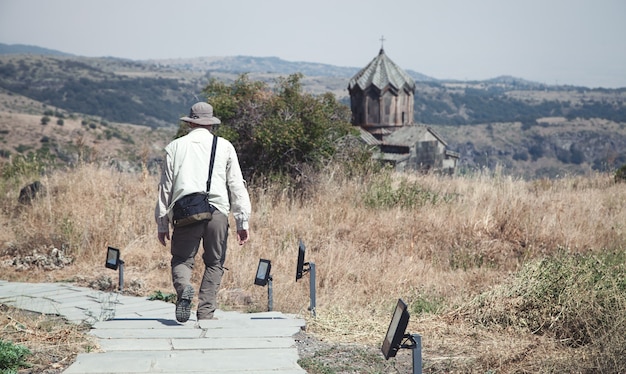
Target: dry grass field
(454, 248)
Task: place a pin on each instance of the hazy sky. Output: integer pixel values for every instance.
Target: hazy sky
(577, 42)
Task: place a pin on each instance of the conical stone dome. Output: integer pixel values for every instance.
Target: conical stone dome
(382, 72)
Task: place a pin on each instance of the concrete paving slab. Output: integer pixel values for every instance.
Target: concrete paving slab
(146, 309)
(211, 343)
(250, 333)
(32, 289)
(233, 361)
(250, 322)
(32, 304)
(167, 333)
(138, 335)
(70, 294)
(110, 345)
(138, 323)
(124, 309)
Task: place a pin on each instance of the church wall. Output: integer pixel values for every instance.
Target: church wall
(357, 107)
(372, 109)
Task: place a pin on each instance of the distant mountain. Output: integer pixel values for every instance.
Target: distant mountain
(248, 64)
(269, 65)
(29, 49)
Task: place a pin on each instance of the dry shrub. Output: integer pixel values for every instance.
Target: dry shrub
(438, 243)
(53, 342)
(578, 300)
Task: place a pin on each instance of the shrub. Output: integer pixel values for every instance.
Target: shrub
(30, 165)
(535, 151)
(281, 129)
(22, 148)
(12, 357)
(520, 156)
(579, 300)
(620, 174)
(383, 192)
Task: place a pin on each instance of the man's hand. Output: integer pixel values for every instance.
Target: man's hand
(163, 236)
(243, 236)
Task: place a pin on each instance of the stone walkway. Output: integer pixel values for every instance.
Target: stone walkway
(138, 335)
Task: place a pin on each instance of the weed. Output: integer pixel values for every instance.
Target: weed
(167, 297)
(12, 357)
(107, 303)
(30, 165)
(424, 304)
(382, 193)
(313, 365)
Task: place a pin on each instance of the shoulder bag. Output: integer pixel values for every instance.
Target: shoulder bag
(195, 207)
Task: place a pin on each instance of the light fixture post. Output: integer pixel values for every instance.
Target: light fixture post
(416, 347)
(312, 289)
(121, 275)
(270, 295)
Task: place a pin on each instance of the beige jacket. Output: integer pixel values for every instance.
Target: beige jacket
(186, 170)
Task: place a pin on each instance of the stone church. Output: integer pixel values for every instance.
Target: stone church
(382, 102)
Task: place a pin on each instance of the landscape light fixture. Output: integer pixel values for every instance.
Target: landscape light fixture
(396, 337)
(263, 278)
(303, 268)
(114, 262)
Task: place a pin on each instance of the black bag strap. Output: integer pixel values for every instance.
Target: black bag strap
(213, 148)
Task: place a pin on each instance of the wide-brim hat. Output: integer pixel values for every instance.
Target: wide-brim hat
(201, 114)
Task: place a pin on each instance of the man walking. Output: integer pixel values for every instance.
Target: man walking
(185, 171)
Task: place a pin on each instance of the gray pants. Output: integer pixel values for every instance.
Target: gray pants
(185, 244)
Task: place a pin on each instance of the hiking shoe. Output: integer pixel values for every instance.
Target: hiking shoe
(183, 306)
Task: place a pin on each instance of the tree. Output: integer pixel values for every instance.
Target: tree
(45, 120)
(278, 130)
(576, 155)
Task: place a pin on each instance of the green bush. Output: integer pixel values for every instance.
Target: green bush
(12, 357)
(30, 165)
(620, 174)
(382, 192)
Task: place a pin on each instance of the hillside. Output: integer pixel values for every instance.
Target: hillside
(528, 129)
(554, 147)
(71, 138)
